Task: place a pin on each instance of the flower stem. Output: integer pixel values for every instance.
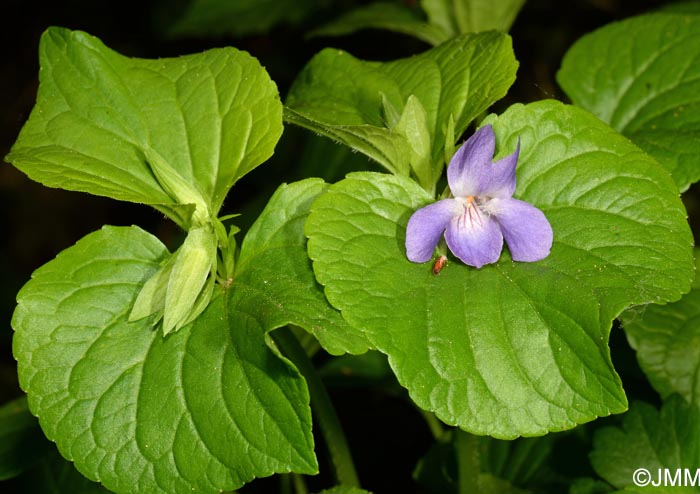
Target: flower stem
(322, 408)
(468, 462)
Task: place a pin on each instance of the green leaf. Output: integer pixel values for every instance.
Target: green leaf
(446, 19)
(666, 338)
(649, 439)
(207, 408)
(211, 18)
(633, 249)
(344, 98)
(274, 270)
(167, 132)
(512, 348)
(466, 16)
(22, 443)
(383, 15)
(642, 76)
(380, 144)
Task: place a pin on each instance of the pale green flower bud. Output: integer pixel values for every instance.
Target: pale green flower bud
(413, 124)
(182, 288)
(195, 262)
(179, 189)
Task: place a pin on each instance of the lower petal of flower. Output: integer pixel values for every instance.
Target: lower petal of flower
(525, 228)
(426, 226)
(474, 238)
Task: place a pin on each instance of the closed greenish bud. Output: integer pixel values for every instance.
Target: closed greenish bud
(391, 114)
(195, 263)
(179, 189)
(151, 298)
(450, 139)
(182, 288)
(413, 124)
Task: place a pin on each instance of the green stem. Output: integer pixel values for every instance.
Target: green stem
(323, 410)
(299, 484)
(468, 462)
(433, 423)
(285, 483)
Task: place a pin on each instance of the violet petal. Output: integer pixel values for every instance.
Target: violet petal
(500, 182)
(426, 226)
(470, 167)
(476, 240)
(525, 228)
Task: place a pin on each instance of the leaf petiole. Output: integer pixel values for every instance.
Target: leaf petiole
(468, 462)
(323, 409)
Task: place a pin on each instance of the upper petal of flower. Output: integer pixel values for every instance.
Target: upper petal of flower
(470, 167)
(500, 181)
(426, 226)
(526, 229)
(474, 237)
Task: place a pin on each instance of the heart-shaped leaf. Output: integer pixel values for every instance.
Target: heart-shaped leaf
(274, 270)
(396, 17)
(666, 339)
(346, 99)
(207, 408)
(167, 132)
(445, 18)
(642, 76)
(634, 457)
(512, 348)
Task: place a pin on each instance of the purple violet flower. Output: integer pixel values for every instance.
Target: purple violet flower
(482, 211)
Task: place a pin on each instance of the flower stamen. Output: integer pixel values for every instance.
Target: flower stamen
(471, 210)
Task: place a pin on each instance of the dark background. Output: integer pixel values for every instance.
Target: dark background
(38, 222)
